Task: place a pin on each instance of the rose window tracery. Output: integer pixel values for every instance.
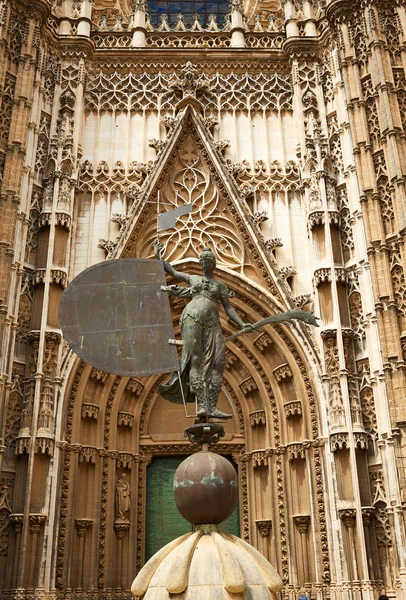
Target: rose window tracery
(208, 224)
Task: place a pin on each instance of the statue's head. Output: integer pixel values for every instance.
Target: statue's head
(207, 258)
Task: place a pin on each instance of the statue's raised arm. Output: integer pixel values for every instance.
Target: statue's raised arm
(158, 247)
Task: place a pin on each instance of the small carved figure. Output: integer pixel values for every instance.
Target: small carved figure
(5, 498)
(123, 498)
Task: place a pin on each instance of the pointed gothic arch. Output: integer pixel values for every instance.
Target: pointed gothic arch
(111, 425)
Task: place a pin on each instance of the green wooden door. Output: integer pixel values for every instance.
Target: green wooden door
(163, 522)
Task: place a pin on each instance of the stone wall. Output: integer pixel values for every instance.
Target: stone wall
(285, 128)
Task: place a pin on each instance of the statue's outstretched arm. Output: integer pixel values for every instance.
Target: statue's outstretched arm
(167, 266)
(290, 315)
(232, 314)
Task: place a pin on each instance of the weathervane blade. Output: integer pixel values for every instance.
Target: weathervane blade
(167, 219)
(115, 316)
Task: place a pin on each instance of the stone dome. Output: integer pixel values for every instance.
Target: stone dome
(207, 565)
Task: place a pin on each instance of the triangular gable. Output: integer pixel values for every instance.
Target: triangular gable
(189, 168)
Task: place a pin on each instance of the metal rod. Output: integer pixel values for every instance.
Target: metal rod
(157, 214)
(183, 397)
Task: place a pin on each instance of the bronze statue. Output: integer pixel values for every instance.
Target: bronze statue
(203, 355)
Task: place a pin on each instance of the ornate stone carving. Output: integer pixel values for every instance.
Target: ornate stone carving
(257, 417)
(273, 243)
(316, 218)
(17, 521)
(82, 526)
(156, 144)
(125, 460)
(135, 386)
(292, 409)
(361, 440)
(121, 528)
(231, 359)
(189, 83)
(87, 454)
(222, 145)
(22, 445)
(368, 513)
(322, 276)
(264, 527)
(296, 452)
(109, 91)
(99, 375)
(382, 526)
(36, 523)
(123, 501)
(263, 341)
(348, 516)
(339, 441)
(346, 232)
(302, 300)
(59, 276)
(107, 245)
(248, 385)
(44, 445)
(259, 217)
(368, 409)
(90, 411)
(302, 522)
(285, 272)
(125, 419)
(282, 373)
(259, 458)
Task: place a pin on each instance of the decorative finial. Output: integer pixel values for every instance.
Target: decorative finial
(236, 6)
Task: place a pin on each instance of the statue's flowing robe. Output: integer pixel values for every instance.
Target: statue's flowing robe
(203, 341)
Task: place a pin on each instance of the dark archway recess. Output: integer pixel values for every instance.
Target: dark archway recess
(189, 8)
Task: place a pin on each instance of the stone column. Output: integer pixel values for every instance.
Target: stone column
(302, 523)
(310, 25)
(265, 528)
(367, 515)
(17, 104)
(82, 525)
(138, 24)
(368, 70)
(292, 29)
(36, 523)
(237, 24)
(16, 520)
(121, 528)
(348, 517)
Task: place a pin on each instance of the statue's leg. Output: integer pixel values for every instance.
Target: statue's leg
(198, 387)
(216, 381)
(193, 336)
(212, 395)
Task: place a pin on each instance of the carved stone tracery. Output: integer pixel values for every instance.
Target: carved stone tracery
(263, 88)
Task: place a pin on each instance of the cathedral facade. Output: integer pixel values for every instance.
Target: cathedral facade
(283, 123)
